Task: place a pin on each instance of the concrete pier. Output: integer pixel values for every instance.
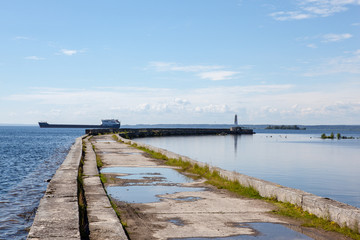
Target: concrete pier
(207, 212)
(57, 216)
(203, 213)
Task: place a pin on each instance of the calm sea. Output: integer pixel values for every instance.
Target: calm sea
(297, 159)
(331, 168)
(28, 157)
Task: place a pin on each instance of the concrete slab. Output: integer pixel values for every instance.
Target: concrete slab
(57, 216)
(103, 221)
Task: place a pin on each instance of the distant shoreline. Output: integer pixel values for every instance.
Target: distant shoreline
(252, 126)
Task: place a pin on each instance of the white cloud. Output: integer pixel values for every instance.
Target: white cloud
(314, 8)
(335, 37)
(169, 66)
(36, 58)
(142, 107)
(154, 108)
(324, 9)
(68, 52)
(257, 103)
(290, 15)
(181, 101)
(212, 108)
(324, 38)
(217, 75)
(211, 72)
(341, 64)
(21, 38)
(311, 45)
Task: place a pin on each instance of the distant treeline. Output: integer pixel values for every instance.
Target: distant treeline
(285, 127)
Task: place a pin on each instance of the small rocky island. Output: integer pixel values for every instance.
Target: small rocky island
(285, 127)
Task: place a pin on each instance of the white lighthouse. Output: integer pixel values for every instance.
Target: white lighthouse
(236, 129)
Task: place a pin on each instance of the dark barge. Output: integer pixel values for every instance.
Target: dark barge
(105, 124)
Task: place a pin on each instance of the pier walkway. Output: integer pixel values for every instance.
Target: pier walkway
(57, 216)
(102, 220)
(156, 202)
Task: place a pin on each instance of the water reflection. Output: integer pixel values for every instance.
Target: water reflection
(262, 231)
(156, 183)
(161, 174)
(146, 194)
(235, 143)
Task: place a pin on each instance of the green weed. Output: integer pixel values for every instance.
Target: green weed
(103, 178)
(310, 220)
(99, 162)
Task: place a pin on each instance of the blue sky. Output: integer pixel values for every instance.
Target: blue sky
(180, 61)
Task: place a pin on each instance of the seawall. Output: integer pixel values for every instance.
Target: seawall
(57, 216)
(342, 214)
(157, 132)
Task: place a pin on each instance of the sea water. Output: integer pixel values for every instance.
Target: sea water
(29, 157)
(297, 159)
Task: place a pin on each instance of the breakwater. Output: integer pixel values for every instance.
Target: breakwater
(57, 216)
(131, 133)
(53, 220)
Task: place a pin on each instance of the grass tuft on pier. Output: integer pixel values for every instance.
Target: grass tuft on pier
(213, 178)
(83, 220)
(310, 220)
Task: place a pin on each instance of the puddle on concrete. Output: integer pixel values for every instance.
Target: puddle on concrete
(265, 231)
(177, 221)
(124, 153)
(105, 141)
(145, 194)
(187, 199)
(158, 181)
(164, 175)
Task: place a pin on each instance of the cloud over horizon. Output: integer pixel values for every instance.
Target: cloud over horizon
(206, 102)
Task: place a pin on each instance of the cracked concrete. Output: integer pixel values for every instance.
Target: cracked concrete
(103, 221)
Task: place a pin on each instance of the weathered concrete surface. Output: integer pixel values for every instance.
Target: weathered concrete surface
(211, 213)
(342, 214)
(57, 216)
(103, 221)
